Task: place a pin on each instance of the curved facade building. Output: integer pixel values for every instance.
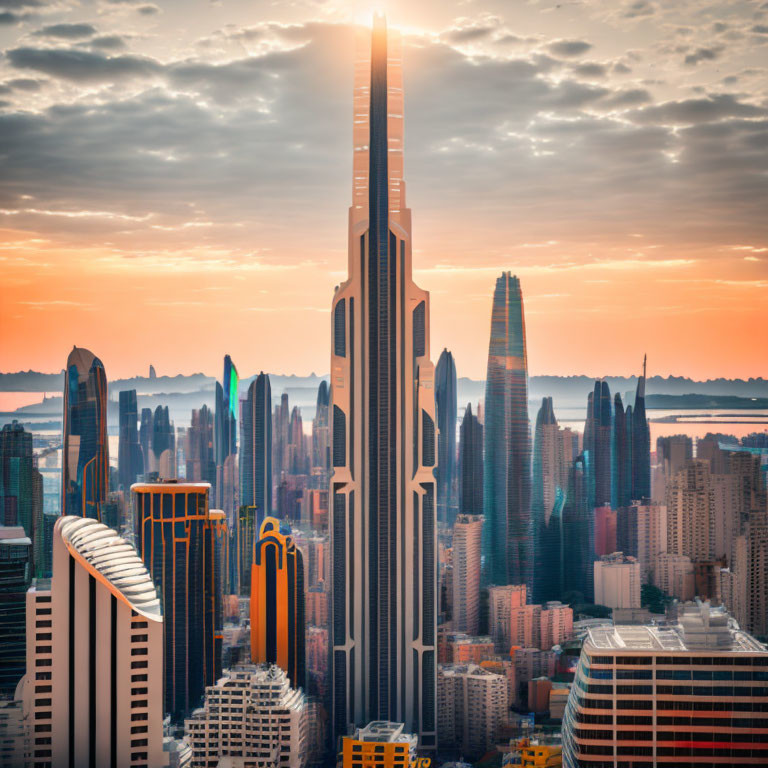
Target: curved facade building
(507, 534)
(85, 456)
(277, 603)
(447, 407)
(383, 432)
(93, 694)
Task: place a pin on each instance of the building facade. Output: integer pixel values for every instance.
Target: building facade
(447, 407)
(85, 453)
(181, 542)
(691, 694)
(256, 447)
(617, 581)
(508, 534)
(470, 464)
(384, 441)
(277, 603)
(93, 692)
(467, 548)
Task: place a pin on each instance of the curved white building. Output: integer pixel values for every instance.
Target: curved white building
(93, 692)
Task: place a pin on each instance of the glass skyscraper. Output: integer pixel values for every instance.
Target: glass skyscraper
(507, 533)
(85, 455)
(130, 460)
(447, 406)
(383, 625)
(256, 447)
(641, 444)
(470, 464)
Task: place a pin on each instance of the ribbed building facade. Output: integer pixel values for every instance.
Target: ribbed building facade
(93, 692)
(691, 694)
(85, 454)
(508, 534)
(447, 405)
(383, 504)
(182, 542)
(467, 545)
(256, 447)
(277, 603)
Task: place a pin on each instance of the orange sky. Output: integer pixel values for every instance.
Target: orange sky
(175, 189)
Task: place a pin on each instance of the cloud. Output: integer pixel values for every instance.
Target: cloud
(569, 47)
(66, 31)
(148, 10)
(24, 84)
(704, 110)
(81, 66)
(108, 43)
(639, 9)
(8, 18)
(590, 69)
(701, 54)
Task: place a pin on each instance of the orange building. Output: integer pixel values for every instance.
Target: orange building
(277, 602)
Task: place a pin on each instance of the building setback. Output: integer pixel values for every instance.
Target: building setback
(93, 693)
(384, 441)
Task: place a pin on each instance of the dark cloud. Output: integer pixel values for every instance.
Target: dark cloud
(701, 54)
(148, 10)
(20, 4)
(469, 34)
(621, 69)
(66, 31)
(639, 8)
(760, 29)
(25, 84)
(590, 69)
(632, 97)
(81, 66)
(693, 111)
(108, 43)
(7, 18)
(569, 47)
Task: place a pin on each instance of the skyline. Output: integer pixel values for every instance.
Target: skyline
(184, 186)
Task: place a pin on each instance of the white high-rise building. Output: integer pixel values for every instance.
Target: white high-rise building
(93, 692)
(383, 433)
(251, 718)
(617, 581)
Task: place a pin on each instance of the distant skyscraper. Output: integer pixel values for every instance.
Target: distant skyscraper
(93, 692)
(550, 477)
(199, 455)
(15, 577)
(163, 452)
(507, 534)
(277, 603)
(298, 460)
(598, 440)
(145, 437)
(226, 412)
(447, 406)
(21, 492)
(578, 521)
(467, 544)
(85, 455)
(321, 441)
(130, 459)
(181, 543)
(256, 447)
(470, 464)
(622, 442)
(641, 445)
(383, 432)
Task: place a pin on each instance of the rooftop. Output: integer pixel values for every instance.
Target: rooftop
(101, 550)
(701, 628)
(383, 730)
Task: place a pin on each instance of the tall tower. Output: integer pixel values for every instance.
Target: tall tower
(256, 447)
(470, 464)
(507, 534)
(447, 406)
(85, 458)
(383, 432)
(130, 460)
(641, 444)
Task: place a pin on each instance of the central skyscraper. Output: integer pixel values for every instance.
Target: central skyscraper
(383, 431)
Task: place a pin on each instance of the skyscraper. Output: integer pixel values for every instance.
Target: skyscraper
(447, 406)
(145, 436)
(93, 692)
(622, 442)
(15, 577)
(256, 447)
(507, 534)
(226, 412)
(163, 450)
(383, 432)
(550, 477)
(598, 441)
(277, 603)
(85, 455)
(21, 491)
(321, 442)
(578, 529)
(130, 460)
(641, 444)
(199, 454)
(470, 464)
(181, 543)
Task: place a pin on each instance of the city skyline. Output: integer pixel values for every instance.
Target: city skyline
(190, 225)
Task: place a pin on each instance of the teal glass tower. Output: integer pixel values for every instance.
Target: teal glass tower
(507, 533)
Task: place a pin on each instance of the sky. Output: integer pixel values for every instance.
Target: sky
(175, 178)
